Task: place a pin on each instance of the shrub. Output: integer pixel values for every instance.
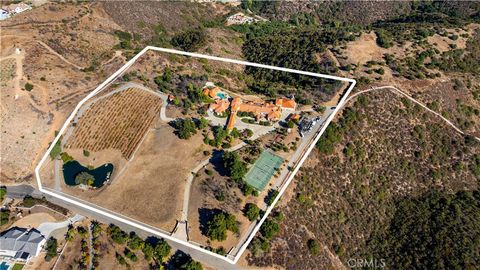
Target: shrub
(236, 168)
(269, 229)
(4, 216)
(218, 226)
(28, 87)
(117, 235)
(162, 250)
(135, 242)
(190, 40)
(251, 211)
(313, 246)
(84, 178)
(51, 247)
(28, 201)
(272, 194)
(185, 128)
(3, 192)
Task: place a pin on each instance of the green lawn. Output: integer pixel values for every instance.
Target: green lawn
(18, 266)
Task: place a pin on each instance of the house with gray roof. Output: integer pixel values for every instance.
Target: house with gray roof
(21, 244)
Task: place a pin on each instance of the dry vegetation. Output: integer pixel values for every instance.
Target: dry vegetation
(342, 200)
(118, 122)
(72, 32)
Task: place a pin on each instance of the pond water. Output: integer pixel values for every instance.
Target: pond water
(73, 168)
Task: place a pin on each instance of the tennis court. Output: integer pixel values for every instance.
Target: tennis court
(262, 171)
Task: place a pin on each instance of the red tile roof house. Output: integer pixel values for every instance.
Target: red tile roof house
(211, 92)
(286, 103)
(220, 106)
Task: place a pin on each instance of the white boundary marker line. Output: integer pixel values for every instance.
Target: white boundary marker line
(155, 232)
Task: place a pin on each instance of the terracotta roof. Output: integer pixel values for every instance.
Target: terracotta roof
(294, 116)
(231, 121)
(213, 92)
(274, 115)
(236, 103)
(286, 103)
(220, 106)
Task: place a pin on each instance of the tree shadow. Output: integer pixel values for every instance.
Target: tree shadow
(206, 215)
(217, 162)
(153, 240)
(178, 259)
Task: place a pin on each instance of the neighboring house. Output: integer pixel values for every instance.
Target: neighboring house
(240, 18)
(16, 8)
(4, 14)
(21, 244)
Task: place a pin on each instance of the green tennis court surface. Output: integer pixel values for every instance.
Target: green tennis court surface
(264, 168)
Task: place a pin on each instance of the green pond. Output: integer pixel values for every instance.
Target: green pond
(101, 174)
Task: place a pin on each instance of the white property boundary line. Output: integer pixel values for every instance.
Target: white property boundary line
(155, 232)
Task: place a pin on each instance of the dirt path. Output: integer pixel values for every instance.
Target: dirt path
(61, 57)
(398, 91)
(19, 55)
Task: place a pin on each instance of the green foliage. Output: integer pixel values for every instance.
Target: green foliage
(3, 192)
(191, 265)
(269, 228)
(28, 201)
(51, 248)
(236, 168)
(71, 232)
(251, 211)
(162, 250)
(218, 226)
(4, 216)
(270, 198)
(475, 167)
(203, 123)
(248, 190)
(190, 40)
(130, 255)
(259, 246)
(460, 60)
(313, 246)
(28, 86)
(135, 242)
(66, 157)
(292, 48)
(384, 38)
(121, 260)
(258, 6)
(219, 134)
(56, 150)
(160, 37)
(125, 39)
(148, 251)
(290, 124)
(164, 80)
(185, 128)
(84, 178)
(117, 235)
(335, 131)
(435, 231)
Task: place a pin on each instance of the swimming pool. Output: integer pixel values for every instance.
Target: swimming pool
(221, 95)
(4, 266)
